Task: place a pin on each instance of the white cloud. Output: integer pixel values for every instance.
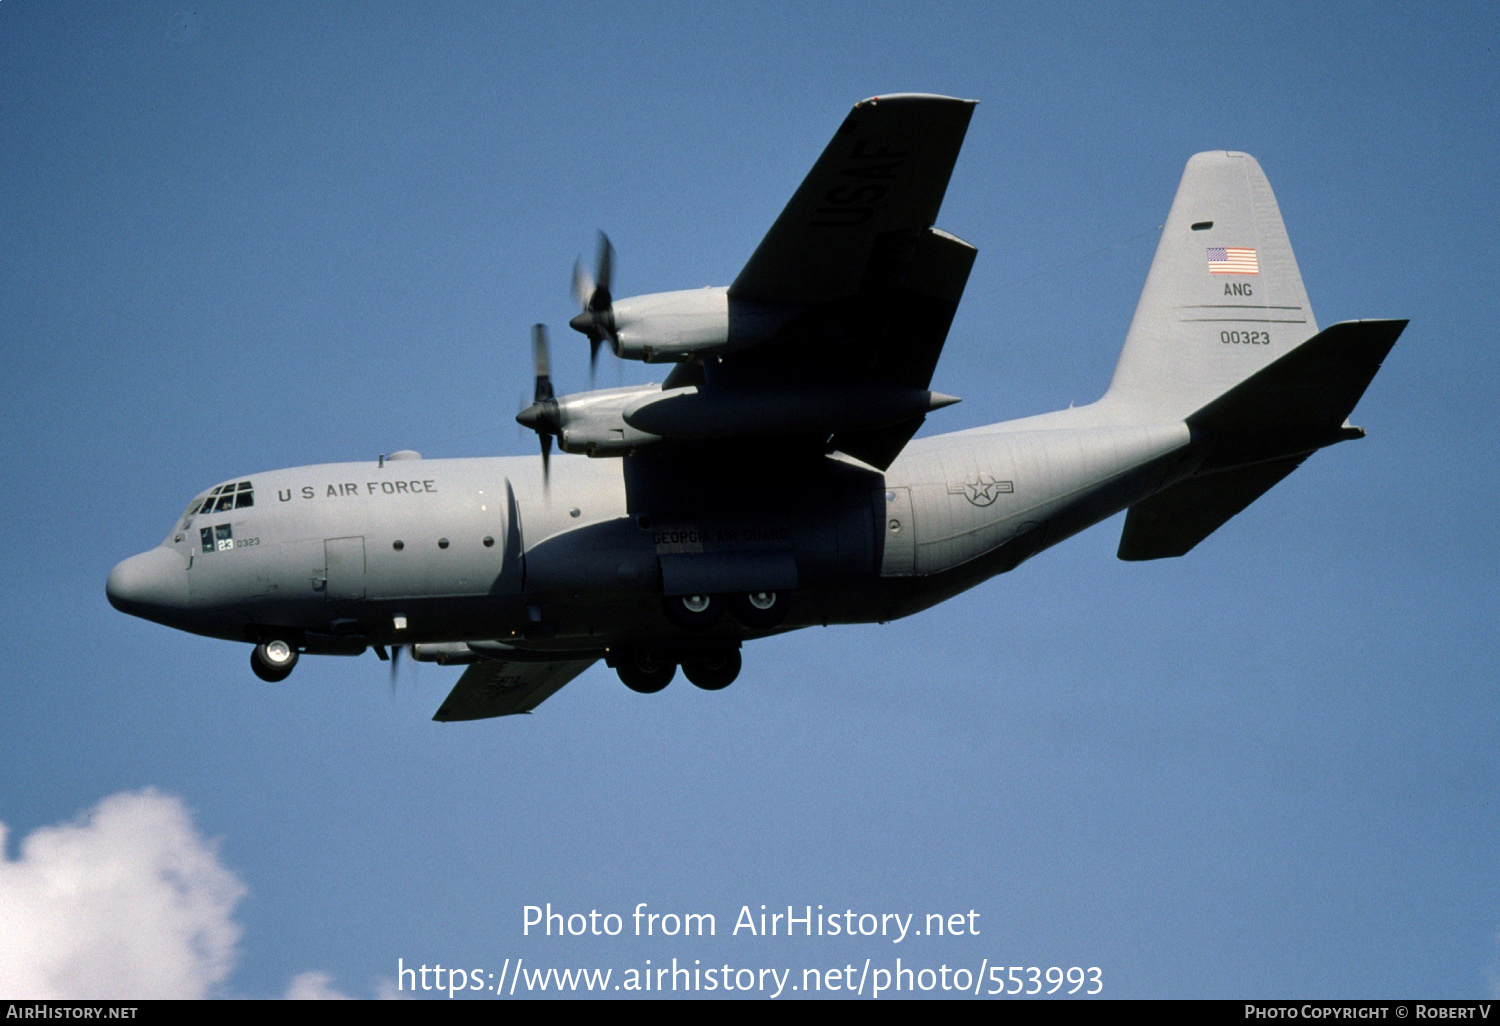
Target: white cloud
(128, 901)
(387, 990)
(314, 986)
(317, 986)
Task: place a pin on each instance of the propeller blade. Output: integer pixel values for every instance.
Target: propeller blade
(543, 415)
(583, 284)
(542, 361)
(604, 265)
(395, 666)
(597, 318)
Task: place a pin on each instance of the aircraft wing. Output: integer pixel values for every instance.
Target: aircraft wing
(836, 324)
(881, 179)
(874, 285)
(853, 375)
(499, 687)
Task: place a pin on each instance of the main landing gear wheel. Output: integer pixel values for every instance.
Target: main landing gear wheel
(273, 660)
(759, 610)
(694, 612)
(714, 670)
(644, 673)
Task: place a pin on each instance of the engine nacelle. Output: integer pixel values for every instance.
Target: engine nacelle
(444, 653)
(593, 423)
(688, 413)
(671, 326)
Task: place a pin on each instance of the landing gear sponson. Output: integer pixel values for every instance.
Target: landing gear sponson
(646, 671)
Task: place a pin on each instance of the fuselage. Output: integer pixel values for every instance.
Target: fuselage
(346, 555)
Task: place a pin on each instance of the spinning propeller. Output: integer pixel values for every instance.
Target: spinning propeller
(542, 415)
(597, 320)
(396, 651)
(394, 658)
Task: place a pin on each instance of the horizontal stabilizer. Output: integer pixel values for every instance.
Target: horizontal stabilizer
(1302, 400)
(1174, 520)
(495, 687)
(1260, 431)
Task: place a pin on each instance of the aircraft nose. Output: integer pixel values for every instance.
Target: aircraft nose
(154, 582)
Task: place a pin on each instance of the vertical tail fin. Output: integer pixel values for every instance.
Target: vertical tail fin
(1223, 299)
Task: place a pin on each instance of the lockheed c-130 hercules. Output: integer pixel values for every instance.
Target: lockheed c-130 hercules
(771, 481)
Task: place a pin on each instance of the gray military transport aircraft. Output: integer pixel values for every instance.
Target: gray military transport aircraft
(771, 481)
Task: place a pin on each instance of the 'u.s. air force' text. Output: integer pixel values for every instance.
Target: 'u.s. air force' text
(348, 489)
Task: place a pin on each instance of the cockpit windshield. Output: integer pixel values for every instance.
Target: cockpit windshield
(225, 497)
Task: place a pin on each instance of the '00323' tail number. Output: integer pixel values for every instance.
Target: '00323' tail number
(1247, 338)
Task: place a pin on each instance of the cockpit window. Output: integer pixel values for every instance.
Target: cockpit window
(224, 497)
(234, 495)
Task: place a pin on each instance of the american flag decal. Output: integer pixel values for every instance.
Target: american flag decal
(1232, 260)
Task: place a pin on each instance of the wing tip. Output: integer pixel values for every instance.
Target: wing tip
(871, 101)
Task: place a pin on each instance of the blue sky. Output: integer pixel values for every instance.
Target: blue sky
(234, 238)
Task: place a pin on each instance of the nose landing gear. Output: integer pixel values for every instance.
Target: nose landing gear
(273, 660)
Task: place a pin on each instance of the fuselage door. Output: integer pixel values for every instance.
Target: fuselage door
(346, 569)
(899, 556)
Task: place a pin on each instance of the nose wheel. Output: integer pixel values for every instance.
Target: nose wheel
(273, 660)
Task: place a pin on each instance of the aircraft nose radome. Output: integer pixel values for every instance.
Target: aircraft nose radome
(151, 582)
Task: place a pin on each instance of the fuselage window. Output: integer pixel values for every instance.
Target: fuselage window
(207, 535)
